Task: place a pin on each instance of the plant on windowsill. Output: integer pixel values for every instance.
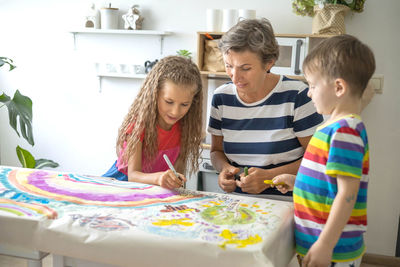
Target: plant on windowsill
(328, 15)
(21, 106)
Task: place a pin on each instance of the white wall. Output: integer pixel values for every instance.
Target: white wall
(76, 125)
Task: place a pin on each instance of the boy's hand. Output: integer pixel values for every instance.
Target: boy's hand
(318, 255)
(169, 180)
(288, 179)
(226, 179)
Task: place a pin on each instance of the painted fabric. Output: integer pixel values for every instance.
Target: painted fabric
(338, 148)
(89, 217)
(168, 143)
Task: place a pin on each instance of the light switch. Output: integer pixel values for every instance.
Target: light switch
(377, 83)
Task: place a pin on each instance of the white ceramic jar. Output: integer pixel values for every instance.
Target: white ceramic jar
(109, 17)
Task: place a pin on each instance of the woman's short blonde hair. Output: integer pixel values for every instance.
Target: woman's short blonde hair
(254, 35)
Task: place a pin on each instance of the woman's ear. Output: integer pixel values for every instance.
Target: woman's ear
(269, 65)
(341, 87)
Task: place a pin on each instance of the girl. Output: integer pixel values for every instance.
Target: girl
(165, 118)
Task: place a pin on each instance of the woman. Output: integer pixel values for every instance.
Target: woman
(261, 120)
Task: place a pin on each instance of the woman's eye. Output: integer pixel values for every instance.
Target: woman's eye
(185, 105)
(169, 102)
(246, 69)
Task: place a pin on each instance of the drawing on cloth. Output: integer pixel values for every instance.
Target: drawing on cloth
(96, 205)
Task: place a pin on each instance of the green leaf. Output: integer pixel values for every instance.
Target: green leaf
(26, 158)
(42, 163)
(5, 60)
(184, 53)
(20, 106)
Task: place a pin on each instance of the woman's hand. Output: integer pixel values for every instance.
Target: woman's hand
(253, 183)
(288, 179)
(226, 179)
(169, 180)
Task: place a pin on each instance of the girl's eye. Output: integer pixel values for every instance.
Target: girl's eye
(185, 105)
(169, 102)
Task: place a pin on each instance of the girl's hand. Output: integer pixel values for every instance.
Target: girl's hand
(288, 179)
(318, 255)
(226, 179)
(253, 183)
(169, 180)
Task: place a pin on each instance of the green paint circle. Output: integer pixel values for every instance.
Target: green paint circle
(219, 215)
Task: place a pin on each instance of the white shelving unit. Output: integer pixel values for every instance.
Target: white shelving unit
(161, 34)
(101, 73)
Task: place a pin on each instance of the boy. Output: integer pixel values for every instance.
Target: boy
(330, 189)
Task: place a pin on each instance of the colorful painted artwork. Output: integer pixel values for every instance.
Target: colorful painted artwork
(75, 204)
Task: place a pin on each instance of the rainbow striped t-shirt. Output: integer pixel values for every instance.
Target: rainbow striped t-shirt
(337, 148)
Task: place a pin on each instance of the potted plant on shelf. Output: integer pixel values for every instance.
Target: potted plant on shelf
(20, 106)
(328, 15)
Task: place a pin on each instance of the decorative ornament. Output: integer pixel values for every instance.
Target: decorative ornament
(133, 19)
(93, 18)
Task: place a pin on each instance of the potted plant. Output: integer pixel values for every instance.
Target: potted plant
(328, 15)
(184, 53)
(20, 106)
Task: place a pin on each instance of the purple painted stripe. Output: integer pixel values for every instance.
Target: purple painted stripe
(18, 208)
(317, 232)
(39, 180)
(347, 145)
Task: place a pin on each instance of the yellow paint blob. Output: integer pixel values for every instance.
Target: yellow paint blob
(182, 221)
(230, 238)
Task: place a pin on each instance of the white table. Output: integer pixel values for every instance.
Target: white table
(103, 221)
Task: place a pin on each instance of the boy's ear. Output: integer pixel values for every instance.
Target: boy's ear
(341, 87)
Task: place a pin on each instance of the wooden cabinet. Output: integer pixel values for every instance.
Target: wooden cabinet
(293, 50)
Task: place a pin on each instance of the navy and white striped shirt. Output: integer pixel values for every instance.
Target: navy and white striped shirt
(264, 133)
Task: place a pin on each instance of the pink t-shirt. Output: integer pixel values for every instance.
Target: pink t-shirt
(168, 143)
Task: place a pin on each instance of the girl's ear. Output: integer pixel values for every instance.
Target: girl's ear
(341, 87)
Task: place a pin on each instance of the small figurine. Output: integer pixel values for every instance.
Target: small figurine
(93, 18)
(133, 19)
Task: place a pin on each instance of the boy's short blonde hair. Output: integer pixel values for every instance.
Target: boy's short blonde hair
(342, 56)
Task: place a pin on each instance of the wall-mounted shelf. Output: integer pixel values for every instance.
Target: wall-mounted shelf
(118, 75)
(109, 70)
(122, 75)
(131, 32)
(161, 34)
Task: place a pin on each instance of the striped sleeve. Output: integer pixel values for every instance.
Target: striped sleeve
(346, 153)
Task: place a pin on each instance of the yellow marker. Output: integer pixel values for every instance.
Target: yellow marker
(272, 183)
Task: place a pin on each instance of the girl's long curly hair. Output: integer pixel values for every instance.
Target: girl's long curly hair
(143, 113)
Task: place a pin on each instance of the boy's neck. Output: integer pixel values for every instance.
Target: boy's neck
(347, 105)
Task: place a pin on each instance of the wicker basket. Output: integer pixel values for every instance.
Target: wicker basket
(329, 19)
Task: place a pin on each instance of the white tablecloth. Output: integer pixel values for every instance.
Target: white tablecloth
(133, 224)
